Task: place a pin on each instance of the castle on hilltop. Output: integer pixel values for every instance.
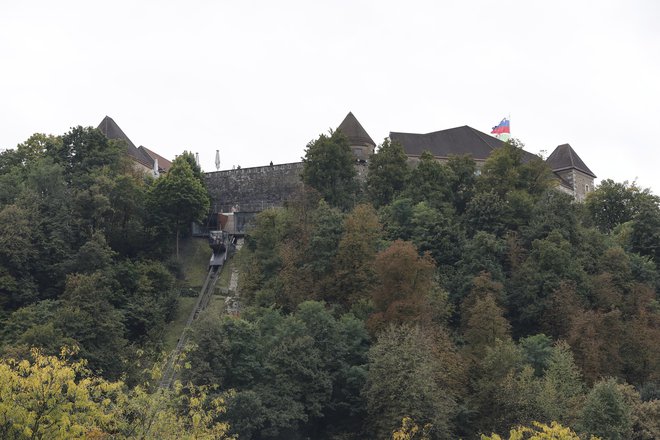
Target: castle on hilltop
(257, 188)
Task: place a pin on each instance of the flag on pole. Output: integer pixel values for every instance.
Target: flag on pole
(503, 127)
(502, 131)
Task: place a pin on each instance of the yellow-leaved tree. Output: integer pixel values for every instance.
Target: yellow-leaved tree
(539, 431)
(48, 397)
(53, 397)
(409, 430)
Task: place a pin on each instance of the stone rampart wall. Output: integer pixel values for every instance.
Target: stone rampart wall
(253, 189)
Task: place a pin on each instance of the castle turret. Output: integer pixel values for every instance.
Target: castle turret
(574, 175)
(358, 139)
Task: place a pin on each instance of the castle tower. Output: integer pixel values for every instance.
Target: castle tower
(574, 175)
(358, 139)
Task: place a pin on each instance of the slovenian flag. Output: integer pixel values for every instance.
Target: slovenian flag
(503, 127)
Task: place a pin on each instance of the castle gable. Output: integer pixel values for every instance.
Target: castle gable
(112, 131)
(142, 155)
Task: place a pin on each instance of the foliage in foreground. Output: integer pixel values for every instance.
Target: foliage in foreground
(51, 397)
(540, 431)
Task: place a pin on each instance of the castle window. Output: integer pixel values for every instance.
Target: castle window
(586, 188)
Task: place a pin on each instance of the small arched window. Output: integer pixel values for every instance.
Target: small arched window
(586, 188)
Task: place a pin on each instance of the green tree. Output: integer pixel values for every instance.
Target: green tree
(18, 256)
(537, 278)
(494, 373)
(484, 323)
(189, 157)
(388, 171)
(510, 168)
(355, 255)
(486, 211)
(606, 413)
(429, 182)
(613, 203)
(126, 227)
(436, 232)
(463, 179)
(537, 350)
(562, 392)
(96, 325)
(329, 167)
(483, 254)
(84, 151)
(645, 232)
(296, 375)
(405, 380)
(178, 199)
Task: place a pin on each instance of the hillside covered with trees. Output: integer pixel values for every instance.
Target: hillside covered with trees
(87, 288)
(471, 302)
(439, 301)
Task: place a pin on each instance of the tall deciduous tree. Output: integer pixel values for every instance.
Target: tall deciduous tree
(50, 398)
(388, 171)
(356, 252)
(83, 151)
(405, 286)
(405, 380)
(194, 166)
(178, 199)
(329, 167)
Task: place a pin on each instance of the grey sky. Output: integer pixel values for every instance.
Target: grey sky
(259, 79)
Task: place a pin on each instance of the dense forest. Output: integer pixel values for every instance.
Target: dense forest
(434, 301)
(86, 293)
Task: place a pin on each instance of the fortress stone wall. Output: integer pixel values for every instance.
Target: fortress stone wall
(258, 188)
(253, 189)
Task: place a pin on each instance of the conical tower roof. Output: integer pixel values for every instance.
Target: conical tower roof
(353, 130)
(112, 131)
(564, 158)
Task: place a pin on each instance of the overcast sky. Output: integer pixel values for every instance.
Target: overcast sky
(258, 80)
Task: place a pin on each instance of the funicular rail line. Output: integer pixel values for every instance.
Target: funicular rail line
(202, 301)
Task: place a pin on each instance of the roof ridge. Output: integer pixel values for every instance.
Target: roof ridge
(570, 154)
(476, 133)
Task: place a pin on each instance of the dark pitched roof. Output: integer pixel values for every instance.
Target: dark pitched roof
(354, 131)
(450, 142)
(163, 164)
(112, 131)
(564, 158)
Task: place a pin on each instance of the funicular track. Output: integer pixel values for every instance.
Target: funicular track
(205, 294)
